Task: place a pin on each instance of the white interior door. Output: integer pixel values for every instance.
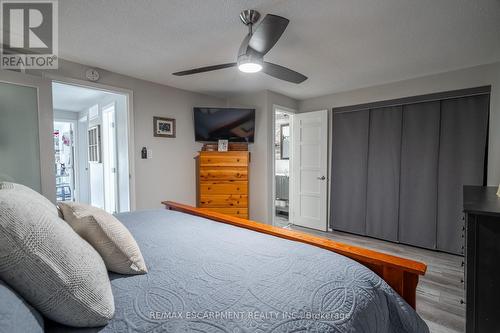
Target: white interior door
(309, 167)
(109, 158)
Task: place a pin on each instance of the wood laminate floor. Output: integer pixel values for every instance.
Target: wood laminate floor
(439, 292)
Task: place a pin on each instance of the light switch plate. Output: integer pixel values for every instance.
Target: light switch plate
(150, 153)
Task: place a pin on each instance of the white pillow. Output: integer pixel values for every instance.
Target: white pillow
(107, 235)
(48, 264)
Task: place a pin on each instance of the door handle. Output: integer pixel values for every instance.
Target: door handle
(321, 178)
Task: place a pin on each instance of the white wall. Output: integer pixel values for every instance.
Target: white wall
(465, 78)
(262, 151)
(170, 174)
(121, 121)
(65, 115)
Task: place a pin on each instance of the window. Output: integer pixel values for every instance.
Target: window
(95, 144)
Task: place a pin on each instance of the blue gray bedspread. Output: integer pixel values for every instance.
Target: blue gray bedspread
(206, 276)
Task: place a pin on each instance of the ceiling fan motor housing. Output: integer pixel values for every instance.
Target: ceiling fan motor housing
(249, 16)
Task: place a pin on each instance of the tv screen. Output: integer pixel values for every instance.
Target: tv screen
(233, 124)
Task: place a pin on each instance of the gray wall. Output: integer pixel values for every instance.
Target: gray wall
(261, 179)
(170, 174)
(460, 79)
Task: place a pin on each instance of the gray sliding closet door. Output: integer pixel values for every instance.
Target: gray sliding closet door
(350, 151)
(419, 174)
(384, 159)
(464, 124)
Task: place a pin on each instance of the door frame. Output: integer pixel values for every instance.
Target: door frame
(272, 178)
(45, 116)
(129, 94)
(328, 157)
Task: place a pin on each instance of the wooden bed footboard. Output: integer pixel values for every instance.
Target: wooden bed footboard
(401, 274)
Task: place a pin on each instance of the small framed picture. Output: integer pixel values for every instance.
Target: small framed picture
(223, 145)
(164, 127)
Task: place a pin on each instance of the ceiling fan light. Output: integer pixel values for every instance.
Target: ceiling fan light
(249, 63)
(250, 67)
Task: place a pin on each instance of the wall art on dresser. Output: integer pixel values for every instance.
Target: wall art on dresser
(164, 127)
(223, 145)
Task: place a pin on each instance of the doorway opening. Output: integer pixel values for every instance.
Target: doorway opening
(65, 159)
(282, 167)
(90, 166)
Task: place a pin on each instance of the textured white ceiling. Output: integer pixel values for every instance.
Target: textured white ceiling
(74, 98)
(339, 44)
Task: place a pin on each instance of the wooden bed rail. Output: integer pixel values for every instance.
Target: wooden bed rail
(401, 274)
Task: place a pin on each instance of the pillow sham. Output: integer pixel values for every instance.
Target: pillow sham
(107, 235)
(17, 316)
(49, 265)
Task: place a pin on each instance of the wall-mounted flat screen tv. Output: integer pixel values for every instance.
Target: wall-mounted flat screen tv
(233, 124)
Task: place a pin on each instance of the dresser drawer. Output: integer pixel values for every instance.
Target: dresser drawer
(228, 187)
(238, 212)
(223, 173)
(223, 159)
(224, 201)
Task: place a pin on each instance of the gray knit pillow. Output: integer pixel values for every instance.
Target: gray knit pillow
(107, 235)
(33, 195)
(49, 265)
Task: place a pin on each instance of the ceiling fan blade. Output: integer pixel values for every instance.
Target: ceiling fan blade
(204, 69)
(268, 33)
(283, 73)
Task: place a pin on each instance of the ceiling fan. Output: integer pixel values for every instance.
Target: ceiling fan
(253, 48)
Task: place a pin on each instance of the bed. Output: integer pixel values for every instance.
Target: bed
(209, 272)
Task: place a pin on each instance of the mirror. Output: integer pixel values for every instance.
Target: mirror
(285, 141)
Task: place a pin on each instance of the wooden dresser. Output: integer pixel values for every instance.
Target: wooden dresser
(223, 182)
(482, 270)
